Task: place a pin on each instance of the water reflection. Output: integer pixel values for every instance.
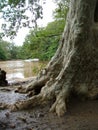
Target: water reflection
(19, 69)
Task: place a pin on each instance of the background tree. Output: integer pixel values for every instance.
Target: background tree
(9, 51)
(2, 54)
(74, 67)
(61, 10)
(14, 51)
(43, 42)
(4, 50)
(15, 12)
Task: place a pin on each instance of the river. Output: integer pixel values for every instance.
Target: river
(20, 69)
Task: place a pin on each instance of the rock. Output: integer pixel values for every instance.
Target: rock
(3, 81)
(40, 115)
(7, 114)
(22, 119)
(12, 126)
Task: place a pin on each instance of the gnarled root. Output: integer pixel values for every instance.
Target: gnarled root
(25, 104)
(93, 93)
(60, 104)
(4, 106)
(55, 91)
(34, 86)
(20, 89)
(37, 84)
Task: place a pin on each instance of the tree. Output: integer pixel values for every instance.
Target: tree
(62, 9)
(44, 40)
(2, 54)
(74, 67)
(9, 51)
(16, 13)
(4, 50)
(13, 51)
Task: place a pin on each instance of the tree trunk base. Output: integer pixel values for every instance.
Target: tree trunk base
(54, 93)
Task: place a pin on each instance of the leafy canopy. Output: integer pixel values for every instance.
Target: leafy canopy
(24, 13)
(8, 50)
(62, 9)
(18, 14)
(43, 42)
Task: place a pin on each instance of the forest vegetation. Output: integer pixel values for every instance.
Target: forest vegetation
(40, 43)
(8, 51)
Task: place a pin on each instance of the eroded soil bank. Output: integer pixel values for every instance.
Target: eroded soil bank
(81, 115)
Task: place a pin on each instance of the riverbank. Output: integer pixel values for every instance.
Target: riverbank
(21, 81)
(80, 116)
(17, 70)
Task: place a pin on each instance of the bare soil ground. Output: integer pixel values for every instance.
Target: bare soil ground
(81, 115)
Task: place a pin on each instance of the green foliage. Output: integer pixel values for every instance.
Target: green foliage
(14, 13)
(37, 69)
(8, 51)
(4, 50)
(15, 2)
(43, 43)
(2, 54)
(14, 50)
(40, 42)
(62, 9)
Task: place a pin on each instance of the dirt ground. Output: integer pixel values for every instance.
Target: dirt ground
(81, 115)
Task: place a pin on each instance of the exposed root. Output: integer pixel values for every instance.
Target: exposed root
(93, 93)
(29, 103)
(20, 89)
(3, 106)
(60, 104)
(35, 85)
(59, 107)
(47, 93)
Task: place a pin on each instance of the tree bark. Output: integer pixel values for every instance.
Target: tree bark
(74, 67)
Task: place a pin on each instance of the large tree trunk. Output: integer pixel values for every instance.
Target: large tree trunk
(74, 67)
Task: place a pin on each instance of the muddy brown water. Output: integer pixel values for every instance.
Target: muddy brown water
(20, 69)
